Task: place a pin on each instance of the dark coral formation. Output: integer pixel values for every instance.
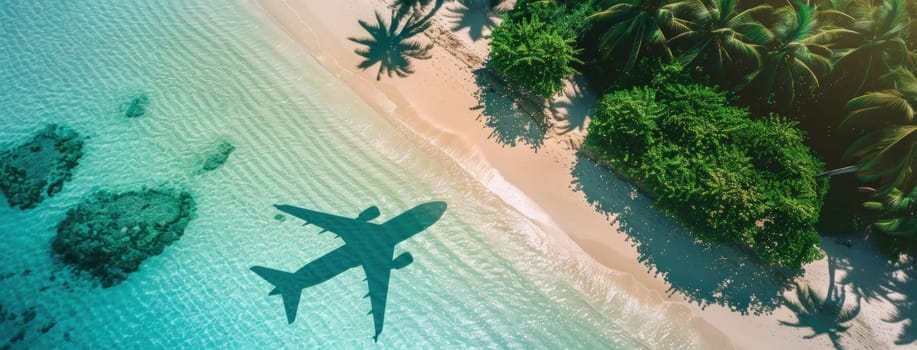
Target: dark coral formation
(11, 321)
(38, 169)
(218, 156)
(109, 235)
(137, 107)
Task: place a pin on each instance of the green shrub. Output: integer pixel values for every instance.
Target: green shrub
(570, 18)
(727, 177)
(532, 55)
(630, 123)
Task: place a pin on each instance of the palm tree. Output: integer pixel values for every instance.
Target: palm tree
(887, 149)
(720, 35)
(798, 55)
(886, 155)
(912, 36)
(637, 26)
(389, 45)
(877, 40)
(899, 212)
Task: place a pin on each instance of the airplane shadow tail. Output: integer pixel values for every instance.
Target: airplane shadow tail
(287, 285)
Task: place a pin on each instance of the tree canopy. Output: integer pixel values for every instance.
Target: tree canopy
(727, 177)
(839, 71)
(533, 55)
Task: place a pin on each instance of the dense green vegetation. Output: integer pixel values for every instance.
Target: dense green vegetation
(721, 145)
(535, 47)
(727, 177)
(533, 55)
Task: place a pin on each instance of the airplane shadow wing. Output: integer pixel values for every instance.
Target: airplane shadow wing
(344, 227)
(378, 279)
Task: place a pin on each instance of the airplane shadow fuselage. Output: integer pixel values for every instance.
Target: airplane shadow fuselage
(372, 239)
(367, 244)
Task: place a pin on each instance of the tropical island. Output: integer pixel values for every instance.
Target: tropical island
(742, 120)
(696, 174)
(726, 111)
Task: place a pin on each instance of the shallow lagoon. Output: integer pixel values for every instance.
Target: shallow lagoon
(482, 276)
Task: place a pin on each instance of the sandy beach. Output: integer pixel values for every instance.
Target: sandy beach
(534, 166)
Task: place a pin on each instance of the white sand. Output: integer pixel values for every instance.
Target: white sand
(438, 102)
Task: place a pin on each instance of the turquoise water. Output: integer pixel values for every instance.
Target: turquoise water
(483, 276)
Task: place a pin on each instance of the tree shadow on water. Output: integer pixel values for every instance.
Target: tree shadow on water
(510, 121)
(390, 44)
(475, 15)
(703, 273)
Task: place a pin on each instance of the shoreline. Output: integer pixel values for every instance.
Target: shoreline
(444, 111)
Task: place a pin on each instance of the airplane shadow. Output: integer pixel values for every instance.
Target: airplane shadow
(368, 245)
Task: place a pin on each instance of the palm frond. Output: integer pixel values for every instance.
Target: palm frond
(876, 109)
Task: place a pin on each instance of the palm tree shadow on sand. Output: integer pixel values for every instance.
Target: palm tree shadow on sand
(366, 244)
(875, 278)
(572, 108)
(390, 44)
(405, 7)
(826, 314)
(905, 305)
(703, 273)
(477, 16)
(510, 120)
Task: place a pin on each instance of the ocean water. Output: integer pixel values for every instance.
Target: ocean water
(483, 276)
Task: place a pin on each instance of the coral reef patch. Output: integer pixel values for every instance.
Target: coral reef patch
(218, 156)
(137, 107)
(37, 169)
(109, 234)
(18, 326)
